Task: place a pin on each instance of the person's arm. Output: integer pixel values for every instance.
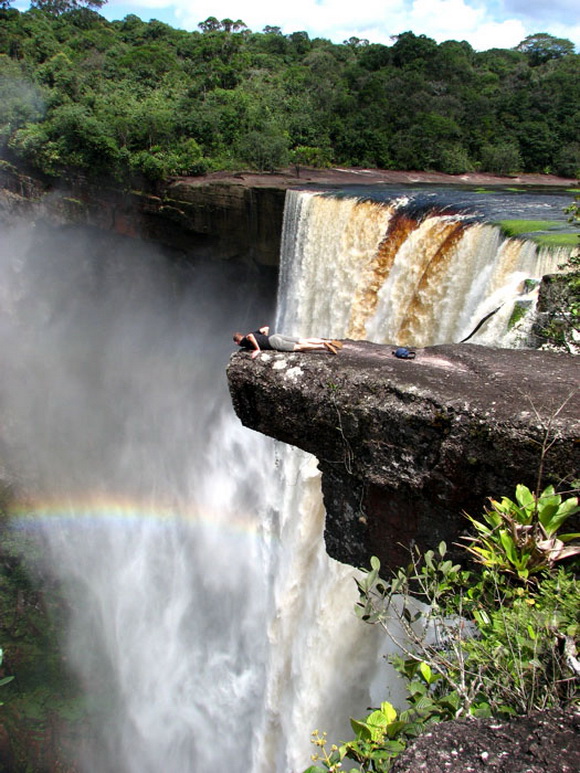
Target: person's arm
(252, 339)
(265, 330)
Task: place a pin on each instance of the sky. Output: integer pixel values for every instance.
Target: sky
(482, 23)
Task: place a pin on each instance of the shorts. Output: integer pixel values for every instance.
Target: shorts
(282, 343)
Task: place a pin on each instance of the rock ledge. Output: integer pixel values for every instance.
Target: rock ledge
(405, 446)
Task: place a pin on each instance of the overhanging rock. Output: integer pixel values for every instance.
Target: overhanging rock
(405, 446)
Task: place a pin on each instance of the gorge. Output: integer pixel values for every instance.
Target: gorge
(190, 551)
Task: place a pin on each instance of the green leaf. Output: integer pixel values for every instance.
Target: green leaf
(315, 769)
(568, 537)
(526, 499)
(360, 729)
(566, 509)
(426, 672)
(547, 508)
(424, 704)
(375, 563)
(508, 545)
(395, 728)
(481, 710)
(416, 688)
(450, 700)
(388, 711)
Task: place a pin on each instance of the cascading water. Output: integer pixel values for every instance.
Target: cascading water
(393, 273)
(208, 626)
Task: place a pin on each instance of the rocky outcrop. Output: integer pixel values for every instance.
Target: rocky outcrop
(405, 446)
(544, 742)
(228, 220)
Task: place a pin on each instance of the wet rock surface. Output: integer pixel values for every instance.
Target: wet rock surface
(405, 446)
(546, 742)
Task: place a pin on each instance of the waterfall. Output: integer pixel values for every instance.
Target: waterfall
(390, 273)
(208, 627)
(365, 269)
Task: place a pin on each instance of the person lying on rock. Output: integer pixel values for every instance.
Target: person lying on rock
(261, 340)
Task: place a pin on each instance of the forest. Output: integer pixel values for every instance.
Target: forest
(135, 103)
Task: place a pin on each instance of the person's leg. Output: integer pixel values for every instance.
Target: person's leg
(323, 341)
(308, 341)
(310, 347)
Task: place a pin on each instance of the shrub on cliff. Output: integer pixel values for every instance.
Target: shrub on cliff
(497, 639)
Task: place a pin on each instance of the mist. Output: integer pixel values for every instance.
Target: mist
(136, 478)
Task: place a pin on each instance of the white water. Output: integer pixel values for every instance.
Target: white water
(332, 280)
(209, 627)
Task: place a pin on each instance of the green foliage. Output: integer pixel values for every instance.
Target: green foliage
(264, 149)
(21, 100)
(519, 227)
(33, 615)
(305, 155)
(56, 7)
(263, 100)
(541, 47)
(567, 162)
(481, 642)
(502, 157)
(378, 739)
(522, 537)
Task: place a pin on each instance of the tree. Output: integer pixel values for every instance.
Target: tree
(56, 7)
(21, 100)
(306, 155)
(501, 158)
(233, 26)
(568, 160)
(211, 24)
(354, 42)
(541, 47)
(537, 144)
(412, 50)
(264, 149)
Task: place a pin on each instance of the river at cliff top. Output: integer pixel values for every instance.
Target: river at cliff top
(489, 203)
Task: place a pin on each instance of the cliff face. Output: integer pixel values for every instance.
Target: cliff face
(404, 446)
(222, 221)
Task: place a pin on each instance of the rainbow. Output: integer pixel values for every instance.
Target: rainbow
(120, 511)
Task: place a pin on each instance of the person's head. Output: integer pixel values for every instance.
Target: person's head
(238, 338)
